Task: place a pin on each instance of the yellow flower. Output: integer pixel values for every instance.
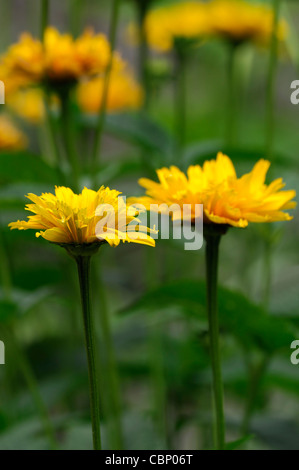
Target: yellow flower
(28, 103)
(10, 137)
(91, 217)
(240, 21)
(123, 93)
(59, 58)
(226, 199)
(186, 20)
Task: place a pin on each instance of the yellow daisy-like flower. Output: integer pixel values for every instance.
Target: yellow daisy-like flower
(92, 217)
(11, 138)
(187, 20)
(59, 58)
(226, 199)
(240, 21)
(124, 93)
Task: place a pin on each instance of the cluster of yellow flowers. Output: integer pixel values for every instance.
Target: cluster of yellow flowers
(30, 64)
(58, 58)
(235, 20)
(67, 218)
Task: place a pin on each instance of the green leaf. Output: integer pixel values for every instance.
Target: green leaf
(137, 129)
(239, 316)
(22, 302)
(238, 443)
(197, 153)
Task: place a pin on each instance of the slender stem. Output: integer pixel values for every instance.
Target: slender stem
(23, 362)
(5, 268)
(255, 379)
(231, 96)
(44, 17)
(142, 8)
(159, 382)
(75, 15)
(102, 111)
(32, 384)
(83, 265)
(110, 368)
(69, 136)
(180, 101)
(271, 81)
(51, 131)
(212, 251)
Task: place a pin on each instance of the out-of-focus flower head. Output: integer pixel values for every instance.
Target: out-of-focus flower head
(186, 20)
(239, 21)
(28, 103)
(124, 93)
(11, 138)
(226, 199)
(58, 59)
(92, 217)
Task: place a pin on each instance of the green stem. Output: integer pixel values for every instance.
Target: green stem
(44, 17)
(271, 81)
(75, 15)
(32, 384)
(212, 252)
(102, 111)
(69, 136)
(110, 369)
(83, 265)
(51, 131)
(142, 8)
(23, 362)
(231, 96)
(159, 383)
(180, 101)
(255, 379)
(5, 269)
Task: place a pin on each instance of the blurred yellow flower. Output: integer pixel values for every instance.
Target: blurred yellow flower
(240, 21)
(90, 217)
(226, 199)
(124, 93)
(28, 103)
(10, 137)
(59, 58)
(187, 20)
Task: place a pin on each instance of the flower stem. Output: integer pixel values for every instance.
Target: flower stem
(231, 96)
(110, 369)
(270, 92)
(212, 252)
(142, 8)
(32, 384)
(180, 101)
(24, 364)
(44, 17)
(83, 265)
(102, 111)
(68, 135)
